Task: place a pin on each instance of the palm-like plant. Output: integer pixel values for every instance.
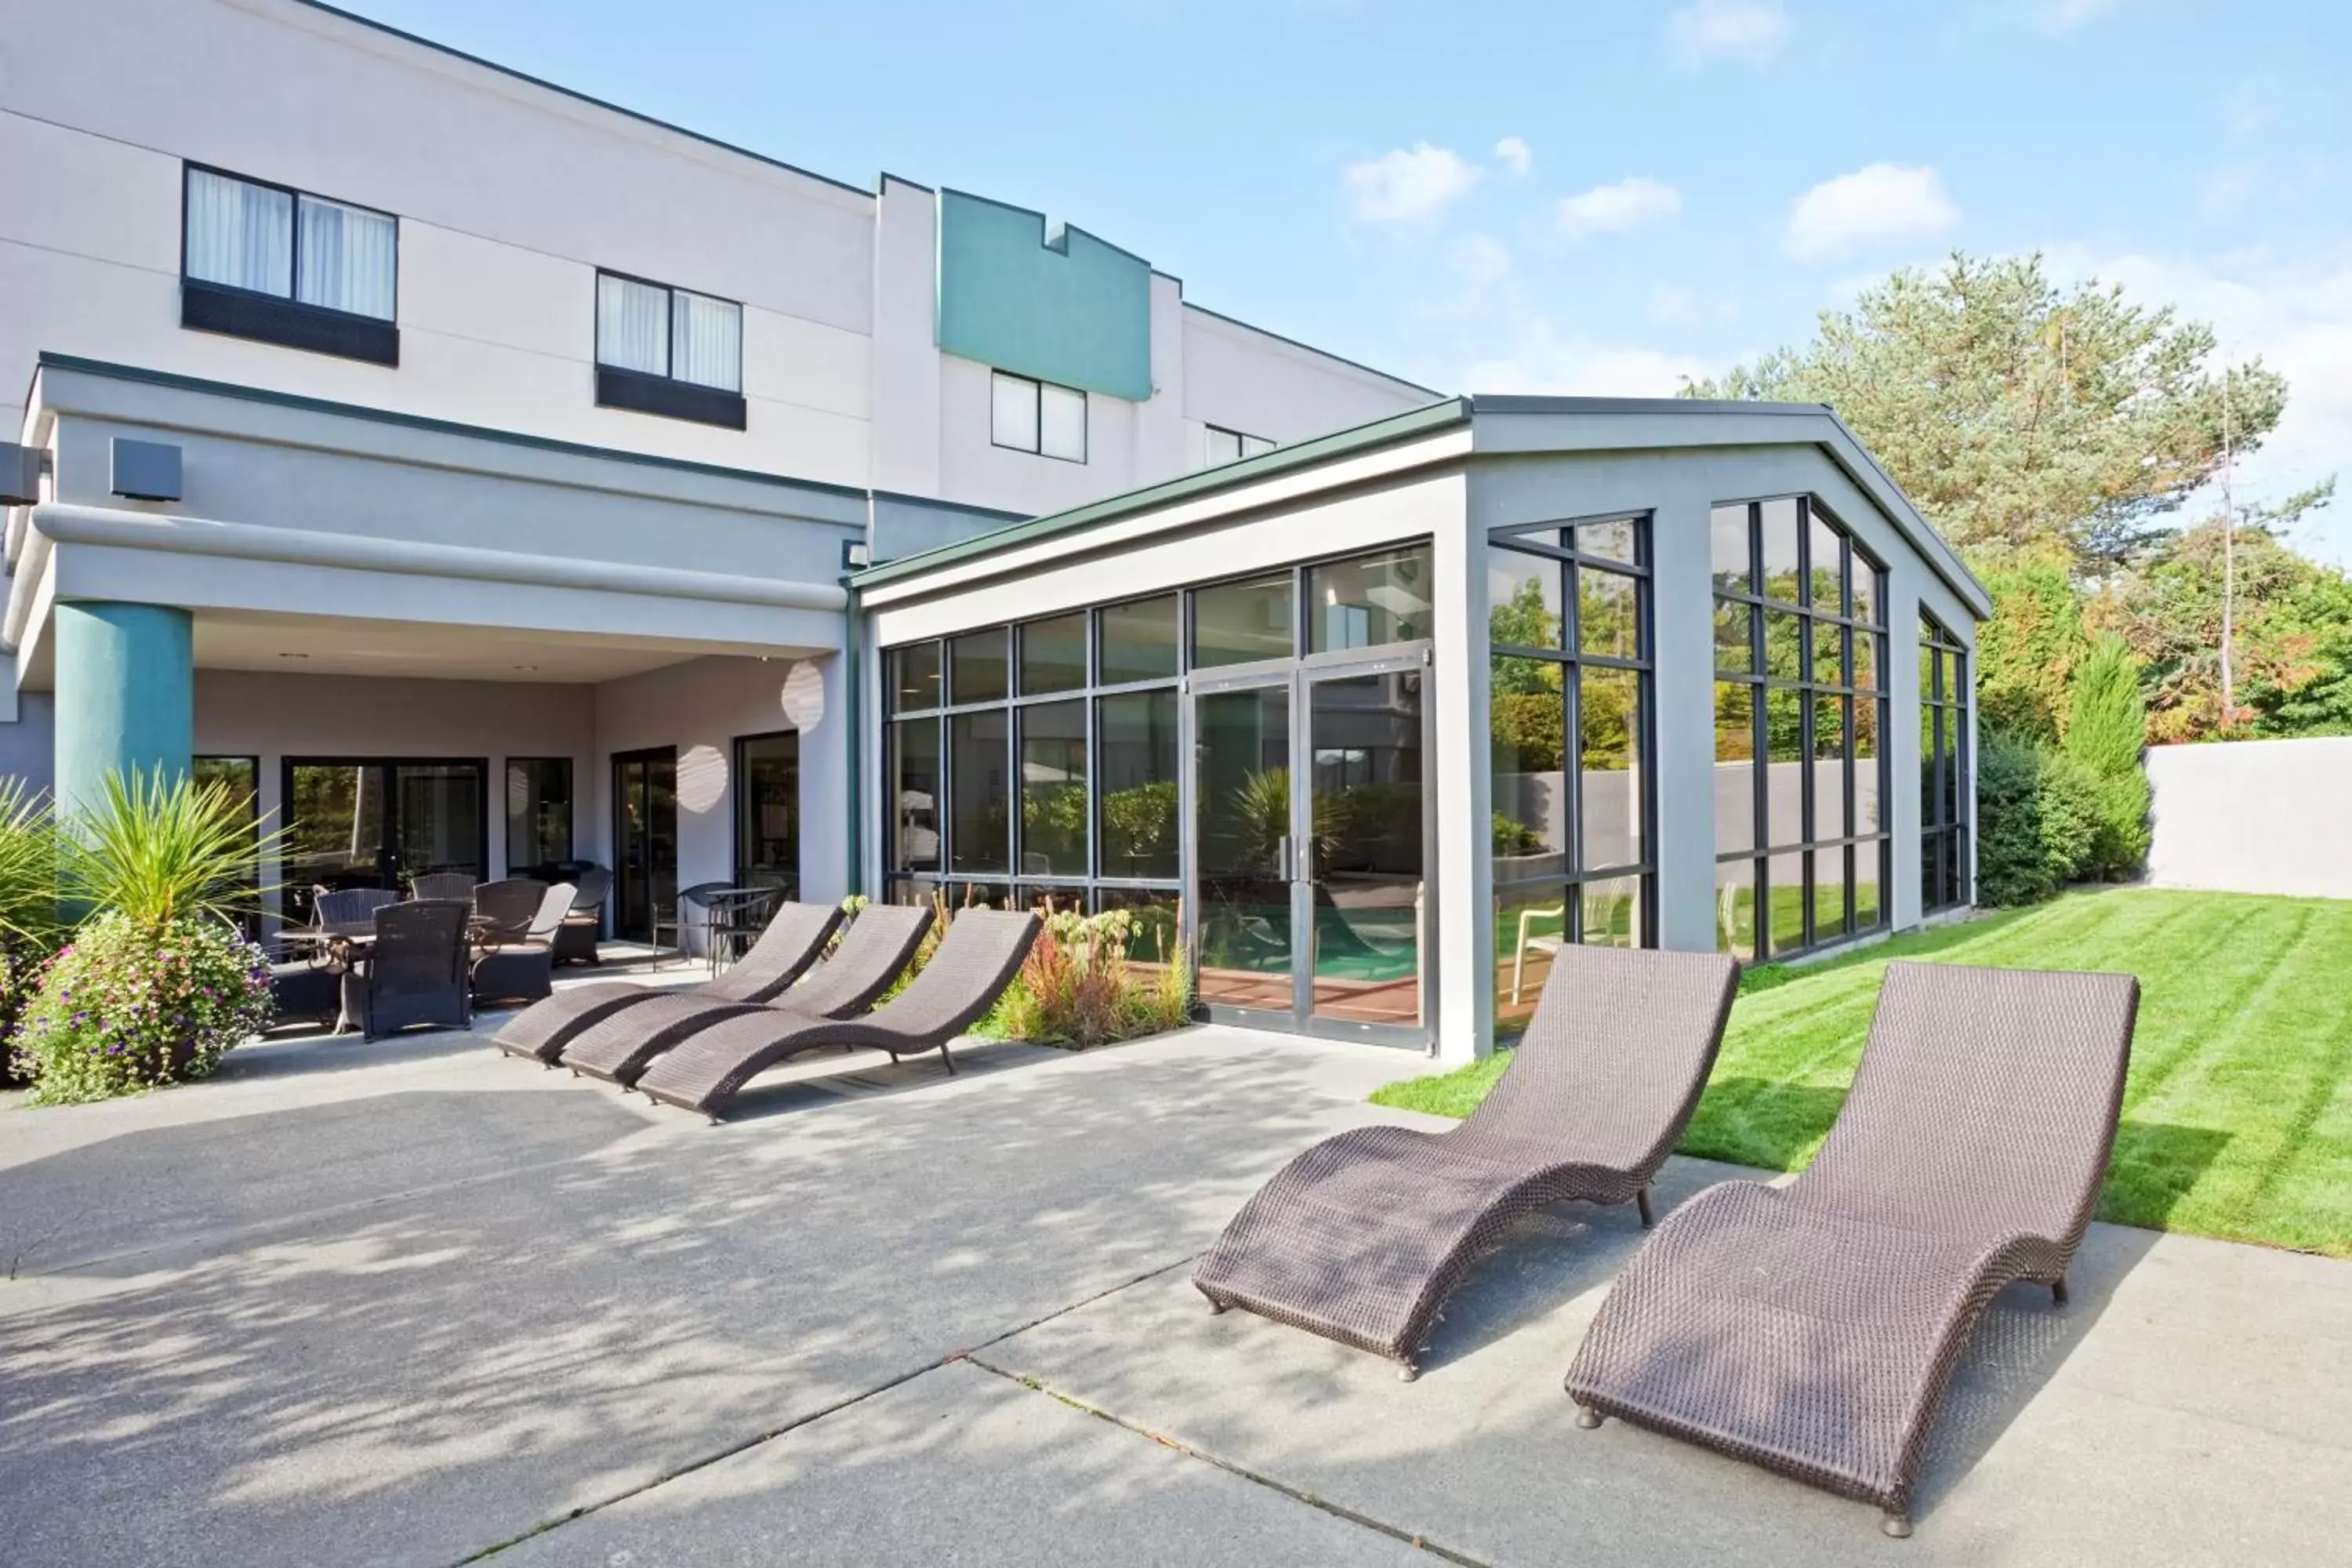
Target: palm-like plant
(29, 870)
(162, 848)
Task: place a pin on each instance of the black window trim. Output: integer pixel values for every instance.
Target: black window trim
(287, 320)
(664, 395)
(1037, 384)
(740, 867)
(1240, 437)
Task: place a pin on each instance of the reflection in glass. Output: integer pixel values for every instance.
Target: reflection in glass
(1605, 613)
(1523, 599)
(1156, 939)
(1735, 568)
(1829, 767)
(1612, 539)
(1241, 804)
(1234, 623)
(1865, 660)
(1735, 773)
(538, 812)
(1784, 876)
(768, 811)
(1735, 646)
(1610, 810)
(1784, 645)
(1784, 774)
(912, 677)
(1531, 925)
(1868, 716)
(913, 769)
(1734, 909)
(1369, 600)
(1829, 894)
(1610, 915)
(1053, 789)
(976, 667)
(979, 824)
(1779, 542)
(1867, 600)
(1139, 640)
(1825, 568)
(1053, 654)
(1868, 859)
(1527, 730)
(1137, 808)
(1367, 851)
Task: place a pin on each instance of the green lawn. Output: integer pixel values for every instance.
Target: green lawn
(2238, 1110)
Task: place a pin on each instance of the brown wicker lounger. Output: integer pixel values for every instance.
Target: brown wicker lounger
(1812, 1328)
(793, 941)
(976, 960)
(874, 952)
(1361, 1238)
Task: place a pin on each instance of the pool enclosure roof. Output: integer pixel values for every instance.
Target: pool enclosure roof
(1486, 427)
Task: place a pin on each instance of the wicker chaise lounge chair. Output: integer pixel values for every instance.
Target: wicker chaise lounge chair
(976, 960)
(873, 952)
(1812, 1328)
(1361, 1238)
(793, 941)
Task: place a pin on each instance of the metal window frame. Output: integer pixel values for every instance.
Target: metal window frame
(670, 330)
(293, 295)
(1036, 385)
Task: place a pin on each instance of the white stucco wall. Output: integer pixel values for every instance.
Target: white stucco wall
(2253, 816)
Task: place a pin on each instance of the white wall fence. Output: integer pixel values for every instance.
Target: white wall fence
(2253, 816)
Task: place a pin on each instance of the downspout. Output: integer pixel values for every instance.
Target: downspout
(853, 676)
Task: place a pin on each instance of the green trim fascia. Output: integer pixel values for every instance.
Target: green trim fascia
(176, 382)
(577, 96)
(1318, 353)
(1059, 305)
(1381, 432)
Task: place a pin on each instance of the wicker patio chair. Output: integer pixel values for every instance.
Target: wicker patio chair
(1362, 1237)
(505, 909)
(1812, 1328)
(445, 884)
(524, 970)
(793, 941)
(575, 941)
(414, 970)
(349, 908)
(982, 951)
(873, 952)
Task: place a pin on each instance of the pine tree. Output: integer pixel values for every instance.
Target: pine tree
(2106, 733)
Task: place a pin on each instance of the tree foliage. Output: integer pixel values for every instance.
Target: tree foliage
(2105, 735)
(2028, 420)
(2026, 654)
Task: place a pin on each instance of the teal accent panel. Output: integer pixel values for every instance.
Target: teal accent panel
(126, 694)
(1062, 307)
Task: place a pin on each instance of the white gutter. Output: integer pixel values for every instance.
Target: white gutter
(63, 523)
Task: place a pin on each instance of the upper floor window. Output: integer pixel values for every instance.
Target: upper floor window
(668, 351)
(1038, 417)
(270, 262)
(1231, 447)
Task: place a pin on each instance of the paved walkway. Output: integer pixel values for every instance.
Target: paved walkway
(414, 1304)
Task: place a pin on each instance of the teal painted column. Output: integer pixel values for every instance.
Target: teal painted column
(126, 694)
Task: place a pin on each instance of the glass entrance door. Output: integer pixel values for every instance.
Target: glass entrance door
(645, 840)
(1310, 822)
(380, 823)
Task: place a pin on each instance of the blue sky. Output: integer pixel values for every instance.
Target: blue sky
(1571, 196)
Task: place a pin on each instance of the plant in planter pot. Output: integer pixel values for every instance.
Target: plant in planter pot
(157, 984)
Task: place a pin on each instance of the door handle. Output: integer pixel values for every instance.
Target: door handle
(1282, 858)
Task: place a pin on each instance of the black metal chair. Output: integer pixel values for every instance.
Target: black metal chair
(414, 970)
(690, 911)
(452, 885)
(575, 938)
(348, 907)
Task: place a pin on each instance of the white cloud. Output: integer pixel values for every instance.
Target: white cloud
(1611, 209)
(1885, 204)
(1750, 30)
(1515, 154)
(2065, 16)
(1482, 259)
(1554, 365)
(1408, 184)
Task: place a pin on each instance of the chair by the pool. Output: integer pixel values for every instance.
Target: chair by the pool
(982, 951)
(1362, 1237)
(872, 954)
(793, 941)
(1812, 1328)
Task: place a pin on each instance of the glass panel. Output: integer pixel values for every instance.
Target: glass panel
(335, 821)
(240, 235)
(1609, 803)
(632, 325)
(707, 340)
(978, 839)
(979, 896)
(645, 841)
(768, 811)
(1053, 789)
(1531, 925)
(1013, 412)
(1053, 654)
(1928, 674)
(1221, 447)
(1234, 623)
(1138, 807)
(1779, 542)
(1865, 660)
(1867, 600)
(1139, 640)
(1523, 599)
(1784, 774)
(347, 258)
(1829, 894)
(1869, 718)
(1829, 653)
(1931, 725)
(911, 677)
(538, 812)
(1062, 423)
(1867, 860)
(1825, 568)
(439, 816)
(1605, 613)
(976, 666)
(1241, 803)
(1785, 880)
(1735, 570)
(1610, 912)
(1784, 645)
(913, 771)
(1527, 730)
(1735, 647)
(1046, 902)
(1933, 895)
(1735, 772)
(1365, 731)
(1254, 444)
(1612, 539)
(1368, 601)
(1829, 767)
(240, 776)
(1735, 908)
(1157, 937)
(910, 892)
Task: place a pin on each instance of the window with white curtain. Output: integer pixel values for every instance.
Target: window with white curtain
(655, 329)
(1231, 447)
(268, 239)
(1038, 417)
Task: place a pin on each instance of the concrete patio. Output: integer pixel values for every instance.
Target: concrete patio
(413, 1302)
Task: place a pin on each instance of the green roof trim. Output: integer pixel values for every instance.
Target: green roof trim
(1381, 432)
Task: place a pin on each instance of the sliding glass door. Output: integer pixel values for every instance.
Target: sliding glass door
(645, 840)
(363, 823)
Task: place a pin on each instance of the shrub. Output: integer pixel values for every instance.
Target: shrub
(30, 929)
(1078, 987)
(159, 850)
(2038, 815)
(2107, 733)
(131, 1004)
(2028, 649)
